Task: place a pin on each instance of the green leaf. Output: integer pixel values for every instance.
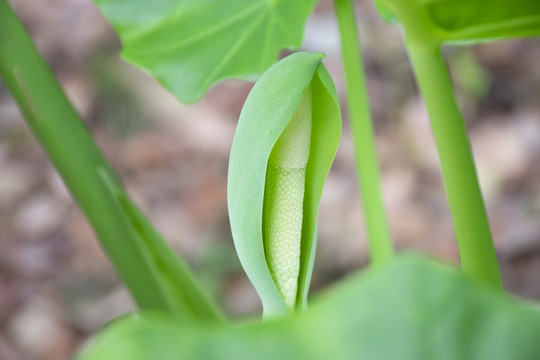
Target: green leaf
(465, 20)
(267, 111)
(154, 276)
(459, 21)
(189, 45)
(414, 309)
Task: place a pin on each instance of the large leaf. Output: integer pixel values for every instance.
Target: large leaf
(267, 111)
(188, 45)
(465, 20)
(414, 309)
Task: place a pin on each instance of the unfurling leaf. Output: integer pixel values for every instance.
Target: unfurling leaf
(463, 21)
(284, 145)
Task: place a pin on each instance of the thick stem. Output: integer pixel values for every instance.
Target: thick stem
(476, 249)
(380, 241)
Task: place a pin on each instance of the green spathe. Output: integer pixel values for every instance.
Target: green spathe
(268, 110)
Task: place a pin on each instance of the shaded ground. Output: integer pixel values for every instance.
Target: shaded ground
(57, 287)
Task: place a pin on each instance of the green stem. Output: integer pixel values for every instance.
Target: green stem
(476, 249)
(85, 172)
(380, 241)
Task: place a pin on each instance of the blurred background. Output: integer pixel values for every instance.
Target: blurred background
(56, 285)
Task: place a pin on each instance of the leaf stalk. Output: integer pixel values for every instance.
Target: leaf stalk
(473, 234)
(367, 166)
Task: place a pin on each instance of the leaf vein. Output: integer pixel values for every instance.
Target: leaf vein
(204, 34)
(224, 60)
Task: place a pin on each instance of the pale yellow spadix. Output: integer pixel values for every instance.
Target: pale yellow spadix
(283, 201)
